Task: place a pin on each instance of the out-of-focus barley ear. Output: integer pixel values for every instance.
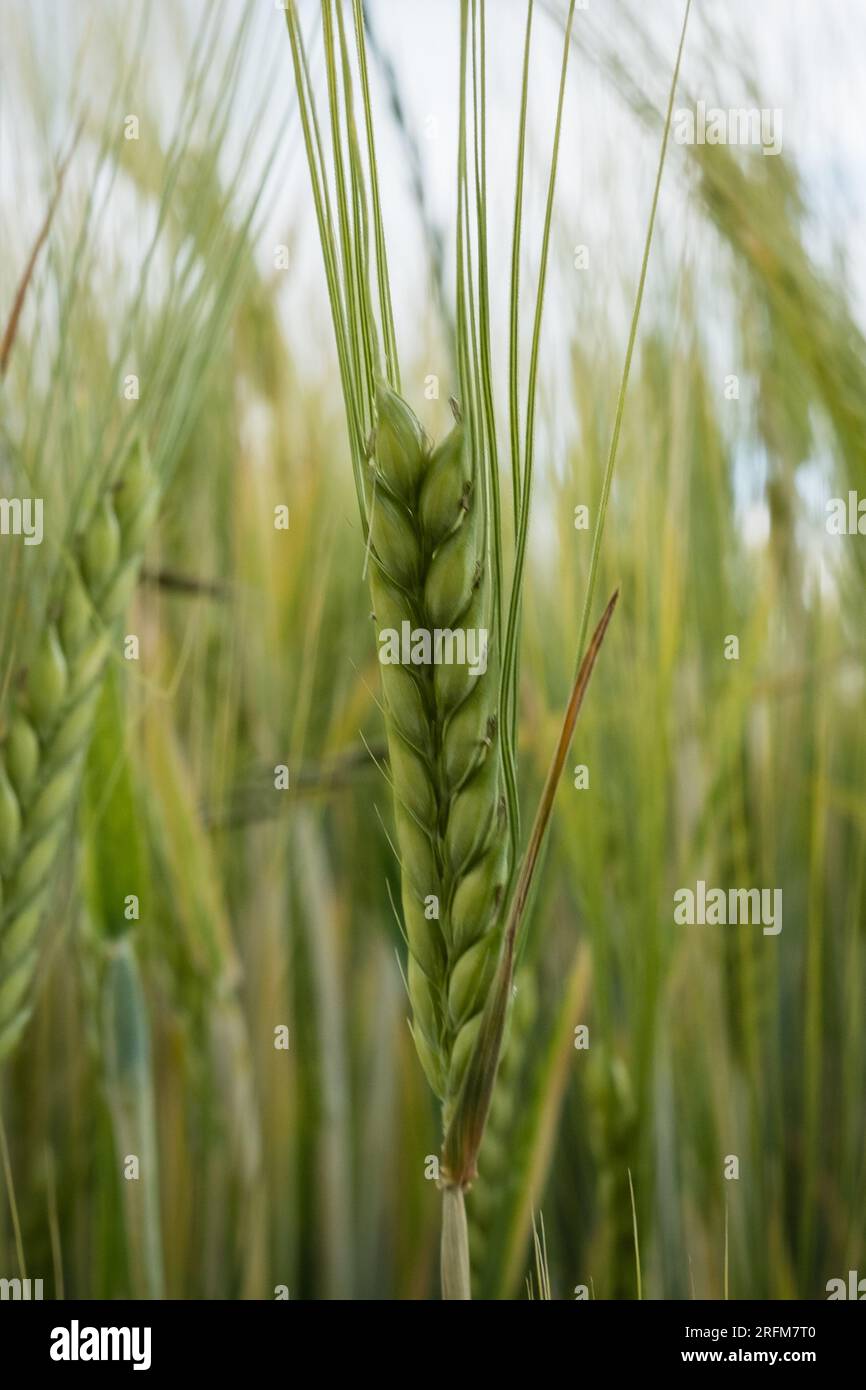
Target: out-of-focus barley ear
(50, 723)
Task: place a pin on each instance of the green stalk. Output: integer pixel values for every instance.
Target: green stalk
(455, 1245)
(130, 1093)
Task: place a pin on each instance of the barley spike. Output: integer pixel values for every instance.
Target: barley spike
(429, 569)
(50, 722)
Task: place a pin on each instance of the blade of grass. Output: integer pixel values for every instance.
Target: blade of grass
(636, 1241)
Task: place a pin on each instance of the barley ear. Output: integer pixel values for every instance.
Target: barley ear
(50, 723)
(430, 569)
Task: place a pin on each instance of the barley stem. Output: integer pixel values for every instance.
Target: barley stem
(455, 1245)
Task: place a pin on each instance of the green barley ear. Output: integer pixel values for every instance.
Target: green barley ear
(50, 723)
(445, 757)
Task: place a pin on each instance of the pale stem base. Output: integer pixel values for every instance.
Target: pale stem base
(455, 1245)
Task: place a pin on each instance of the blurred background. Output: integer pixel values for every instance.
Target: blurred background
(188, 255)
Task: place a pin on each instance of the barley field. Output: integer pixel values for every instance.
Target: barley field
(344, 960)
